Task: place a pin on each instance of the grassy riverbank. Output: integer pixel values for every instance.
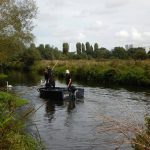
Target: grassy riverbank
(12, 126)
(117, 72)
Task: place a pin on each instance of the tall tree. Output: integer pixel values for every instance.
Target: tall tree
(88, 47)
(65, 48)
(16, 24)
(83, 48)
(95, 47)
(78, 48)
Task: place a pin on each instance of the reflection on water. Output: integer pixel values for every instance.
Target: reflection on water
(71, 105)
(51, 104)
(65, 125)
(21, 78)
(50, 110)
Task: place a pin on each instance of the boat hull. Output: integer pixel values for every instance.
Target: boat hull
(59, 93)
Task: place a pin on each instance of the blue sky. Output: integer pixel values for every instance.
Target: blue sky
(110, 23)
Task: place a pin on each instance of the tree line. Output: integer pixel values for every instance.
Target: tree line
(88, 51)
(83, 51)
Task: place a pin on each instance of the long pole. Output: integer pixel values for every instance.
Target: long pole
(55, 65)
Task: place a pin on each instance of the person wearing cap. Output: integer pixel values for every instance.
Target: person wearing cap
(68, 79)
(70, 87)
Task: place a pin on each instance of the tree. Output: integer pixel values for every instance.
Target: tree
(102, 53)
(140, 53)
(83, 48)
(87, 45)
(41, 50)
(16, 24)
(119, 52)
(30, 55)
(137, 53)
(148, 54)
(131, 52)
(78, 48)
(95, 47)
(48, 52)
(65, 48)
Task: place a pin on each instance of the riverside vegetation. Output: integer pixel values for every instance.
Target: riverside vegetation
(104, 72)
(12, 125)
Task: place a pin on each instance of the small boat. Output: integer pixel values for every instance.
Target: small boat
(59, 93)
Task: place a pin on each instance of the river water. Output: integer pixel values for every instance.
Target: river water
(84, 124)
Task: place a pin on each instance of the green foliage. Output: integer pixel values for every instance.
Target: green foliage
(49, 52)
(15, 26)
(12, 126)
(102, 53)
(11, 101)
(89, 48)
(78, 48)
(118, 72)
(119, 52)
(110, 75)
(83, 48)
(140, 53)
(96, 47)
(137, 53)
(65, 48)
(29, 56)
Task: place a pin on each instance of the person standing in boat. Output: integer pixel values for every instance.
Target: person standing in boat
(68, 80)
(70, 87)
(50, 81)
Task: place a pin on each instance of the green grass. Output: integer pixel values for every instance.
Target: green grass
(12, 126)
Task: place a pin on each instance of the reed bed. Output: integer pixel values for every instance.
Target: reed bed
(117, 72)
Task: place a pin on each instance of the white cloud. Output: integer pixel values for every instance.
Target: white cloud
(136, 35)
(116, 3)
(80, 36)
(122, 34)
(99, 23)
(147, 34)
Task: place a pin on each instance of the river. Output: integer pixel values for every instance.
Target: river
(85, 124)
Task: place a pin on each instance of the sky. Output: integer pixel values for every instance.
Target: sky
(109, 23)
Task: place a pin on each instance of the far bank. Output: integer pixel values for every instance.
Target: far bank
(103, 72)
